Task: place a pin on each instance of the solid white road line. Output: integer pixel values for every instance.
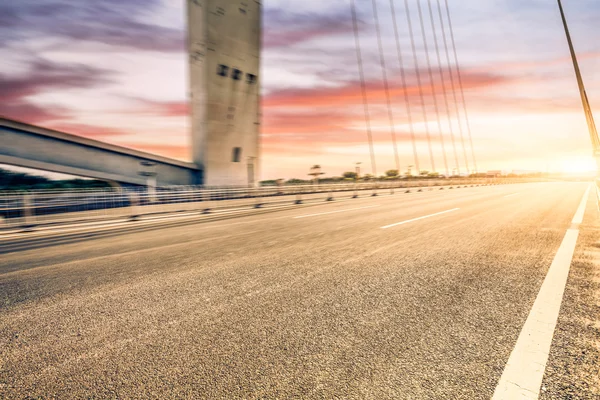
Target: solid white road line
(597, 194)
(334, 212)
(578, 218)
(510, 195)
(522, 376)
(417, 219)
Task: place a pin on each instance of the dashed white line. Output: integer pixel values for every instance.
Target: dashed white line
(419, 218)
(524, 371)
(513, 194)
(334, 212)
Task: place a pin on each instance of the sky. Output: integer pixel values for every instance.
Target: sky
(116, 71)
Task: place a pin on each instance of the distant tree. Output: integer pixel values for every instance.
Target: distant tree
(295, 181)
(269, 182)
(368, 177)
(350, 175)
(315, 172)
(424, 173)
(392, 173)
(11, 180)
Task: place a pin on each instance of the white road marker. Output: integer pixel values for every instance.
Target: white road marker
(524, 371)
(334, 212)
(578, 218)
(417, 219)
(510, 195)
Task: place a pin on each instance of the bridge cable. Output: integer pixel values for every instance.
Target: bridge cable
(386, 85)
(444, 86)
(460, 81)
(363, 88)
(419, 82)
(453, 86)
(405, 87)
(432, 85)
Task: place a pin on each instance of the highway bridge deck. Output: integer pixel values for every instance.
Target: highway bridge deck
(318, 302)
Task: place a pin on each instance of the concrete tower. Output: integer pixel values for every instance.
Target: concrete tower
(224, 62)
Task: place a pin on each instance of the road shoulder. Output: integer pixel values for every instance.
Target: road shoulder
(573, 369)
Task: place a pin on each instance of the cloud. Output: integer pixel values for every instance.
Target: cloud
(30, 113)
(43, 76)
(88, 131)
(350, 93)
(275, 123)
(112, 22)
(520, 66)
(319, 129)
(161, 108)
(284, 29)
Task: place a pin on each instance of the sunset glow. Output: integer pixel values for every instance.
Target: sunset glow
(117, 72)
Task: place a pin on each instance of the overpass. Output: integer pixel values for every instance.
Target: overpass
(31, 146)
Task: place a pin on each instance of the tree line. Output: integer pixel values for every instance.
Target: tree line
(13, 180)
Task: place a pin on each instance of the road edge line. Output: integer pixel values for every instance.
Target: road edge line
(524, 371)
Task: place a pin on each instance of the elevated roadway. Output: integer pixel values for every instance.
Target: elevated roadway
(34, 147)
(417, 296)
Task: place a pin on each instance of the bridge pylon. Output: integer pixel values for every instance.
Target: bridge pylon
(224, 40)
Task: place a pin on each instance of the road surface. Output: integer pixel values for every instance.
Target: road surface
(419, 295)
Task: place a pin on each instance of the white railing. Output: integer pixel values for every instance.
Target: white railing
(41, 207)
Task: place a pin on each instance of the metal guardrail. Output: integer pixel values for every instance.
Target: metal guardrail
(41, 207)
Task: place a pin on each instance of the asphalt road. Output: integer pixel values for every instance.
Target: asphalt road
(315, 302)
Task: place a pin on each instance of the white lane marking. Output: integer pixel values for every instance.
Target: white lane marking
(597, 194)
(510, 195)
(334, 212)
(522, 376)
(578, 218)
(417, 219)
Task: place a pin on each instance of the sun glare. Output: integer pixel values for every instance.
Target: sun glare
(578, 165)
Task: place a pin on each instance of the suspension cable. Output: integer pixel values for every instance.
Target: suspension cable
(386, 85)
(432, 85)
(444, 87)
(453, 87)
(460, 82)
(404, 87)
(363, 88)
(419, 83)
